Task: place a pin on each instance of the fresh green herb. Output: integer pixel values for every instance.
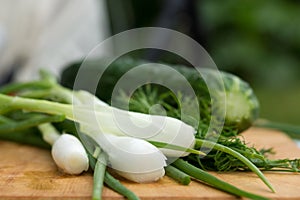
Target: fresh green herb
(216, 159)
(227, 151)
(207, 144)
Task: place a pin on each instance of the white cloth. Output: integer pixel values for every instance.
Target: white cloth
(48, 33)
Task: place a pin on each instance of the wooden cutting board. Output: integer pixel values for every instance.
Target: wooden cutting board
(29, 173)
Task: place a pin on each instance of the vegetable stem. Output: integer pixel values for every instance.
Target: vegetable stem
(36, 120)
(99, 173)
(29, 136)
(50, 134)
(113, 183)
(43, 106)
(117, 186)
(249, 164)
(11, 88)
(213, 181)
(175, 147)
(177, 175)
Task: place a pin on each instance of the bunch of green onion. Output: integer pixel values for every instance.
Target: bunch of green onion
(99, 141)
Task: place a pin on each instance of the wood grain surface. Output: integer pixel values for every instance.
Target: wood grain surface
(29, 173)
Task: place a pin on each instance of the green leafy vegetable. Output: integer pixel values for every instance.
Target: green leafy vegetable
(226, 152)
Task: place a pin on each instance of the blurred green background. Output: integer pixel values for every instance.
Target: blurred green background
(256, 40)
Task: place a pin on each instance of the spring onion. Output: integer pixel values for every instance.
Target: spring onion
(104, 114)
(69, 154)
(140, 138)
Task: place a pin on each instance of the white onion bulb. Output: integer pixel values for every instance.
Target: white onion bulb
(69, 154)
(132, 158)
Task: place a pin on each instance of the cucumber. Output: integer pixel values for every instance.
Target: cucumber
(241, 105)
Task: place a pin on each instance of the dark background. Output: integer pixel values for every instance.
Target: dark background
(256, 40)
